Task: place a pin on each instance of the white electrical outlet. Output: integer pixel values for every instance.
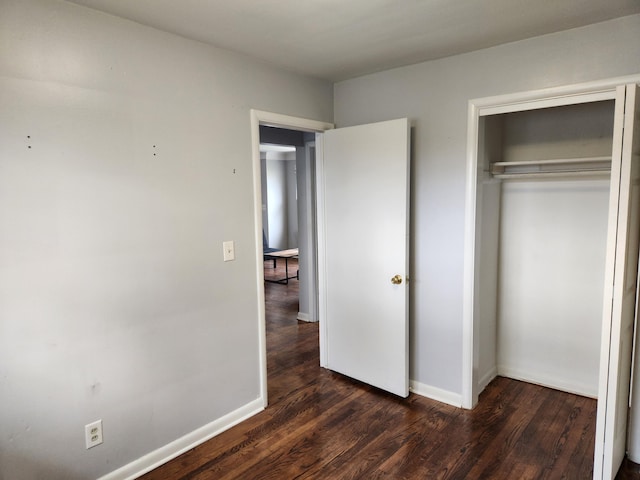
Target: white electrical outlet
(93, 434)
(229, 251)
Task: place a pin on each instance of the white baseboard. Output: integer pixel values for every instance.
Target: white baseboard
(486, 379)
(434, 393)
(172, 450)
(550, 382)
(305, 317)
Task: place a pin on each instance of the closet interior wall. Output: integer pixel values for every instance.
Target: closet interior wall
(542, 240)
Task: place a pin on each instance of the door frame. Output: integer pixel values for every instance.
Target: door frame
(257, 118)
(312, 235)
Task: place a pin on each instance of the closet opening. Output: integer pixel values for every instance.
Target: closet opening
(543, 229)
(551, 248)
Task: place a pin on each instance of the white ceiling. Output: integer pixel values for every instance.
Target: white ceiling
(340, 39)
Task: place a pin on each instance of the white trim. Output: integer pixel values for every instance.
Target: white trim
(601, 89)
(286, 121)
(469, 389)
(435, 393)
(607, 303)
(312, 263)
(608, 455)
(549, 381)
(568, 386)
(257, 219)
(564, 95)
(322, 241)
(183, 444)
(486, 379)
(257, 118)
(305, 317)
(546, 102)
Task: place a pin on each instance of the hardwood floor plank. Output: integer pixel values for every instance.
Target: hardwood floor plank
(283, 452)
(324, 440)
(570, 439)
(369, 441)
(510, 432)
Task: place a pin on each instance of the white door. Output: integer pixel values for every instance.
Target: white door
(363, 233)
(620, 287)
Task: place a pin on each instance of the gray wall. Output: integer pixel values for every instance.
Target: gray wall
(292, 204)
(282, 211)
(265, 195)
(305, 169)
(114, 300)
(434, 96)
(277, 203)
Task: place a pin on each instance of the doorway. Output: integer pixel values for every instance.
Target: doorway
(269, 120)
(382, 151)
(287, 160)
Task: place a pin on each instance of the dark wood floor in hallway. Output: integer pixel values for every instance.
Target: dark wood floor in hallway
(321, 425)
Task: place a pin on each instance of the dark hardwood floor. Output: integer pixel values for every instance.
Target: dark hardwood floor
(321, 425)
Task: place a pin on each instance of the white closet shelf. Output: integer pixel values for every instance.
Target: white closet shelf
(557, 167)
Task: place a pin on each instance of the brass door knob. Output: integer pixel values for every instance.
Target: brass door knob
(396, 280)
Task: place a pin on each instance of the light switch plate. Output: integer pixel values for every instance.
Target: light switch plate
(229, 251)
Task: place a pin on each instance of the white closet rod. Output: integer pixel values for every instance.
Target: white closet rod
(562, 167)
(562, 173)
